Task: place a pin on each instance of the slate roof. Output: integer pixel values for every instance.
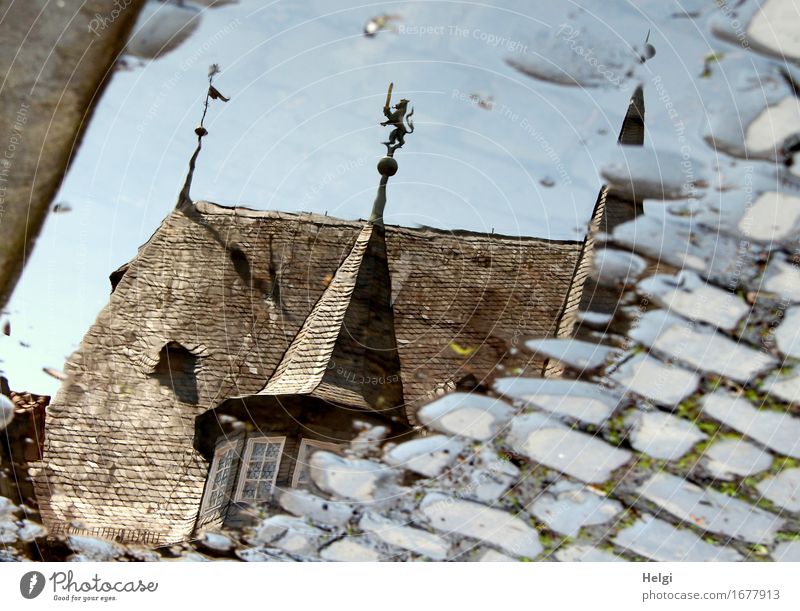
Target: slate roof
(610, 211)
(346, 350)
(222, 294)
(229, 302)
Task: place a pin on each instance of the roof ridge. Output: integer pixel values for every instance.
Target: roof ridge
(212, 208)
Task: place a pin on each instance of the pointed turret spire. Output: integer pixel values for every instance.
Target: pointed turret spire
(610, 210)
(632, 132)
(346, 350)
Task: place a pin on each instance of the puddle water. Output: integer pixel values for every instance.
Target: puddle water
(500, 144)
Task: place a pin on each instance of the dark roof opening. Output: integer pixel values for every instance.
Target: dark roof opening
(177, 369)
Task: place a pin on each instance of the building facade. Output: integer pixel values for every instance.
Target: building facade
(238, 341)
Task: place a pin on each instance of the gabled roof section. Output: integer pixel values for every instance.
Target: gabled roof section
(241, 283)
(346, 350)
(610, 210)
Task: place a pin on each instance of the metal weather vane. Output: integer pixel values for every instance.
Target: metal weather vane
(211, 94)
(399, 118)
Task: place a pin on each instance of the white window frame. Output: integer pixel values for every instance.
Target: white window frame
(303, 452)
(219, 453)
(248, 454)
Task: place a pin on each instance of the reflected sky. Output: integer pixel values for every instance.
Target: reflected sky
(301, 133)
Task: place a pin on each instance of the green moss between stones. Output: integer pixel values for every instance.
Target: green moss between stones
(757, 552)
(788, 536)
(615, 430)
(688, 460)
(689, 408)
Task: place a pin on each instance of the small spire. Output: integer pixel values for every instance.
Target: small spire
(632, 131)
(212, 94)
(399, 118)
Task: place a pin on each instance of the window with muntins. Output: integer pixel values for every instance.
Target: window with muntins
(262, 459)
(220, 479)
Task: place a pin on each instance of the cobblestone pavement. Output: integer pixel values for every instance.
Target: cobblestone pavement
(673, 435)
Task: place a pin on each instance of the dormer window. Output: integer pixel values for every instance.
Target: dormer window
(262, 458)
(246, 470)
(260, 447)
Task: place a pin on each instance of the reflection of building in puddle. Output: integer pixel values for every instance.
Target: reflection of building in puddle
(237, 342)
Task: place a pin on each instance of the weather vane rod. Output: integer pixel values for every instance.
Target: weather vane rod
(402, 125)
(212, 94)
